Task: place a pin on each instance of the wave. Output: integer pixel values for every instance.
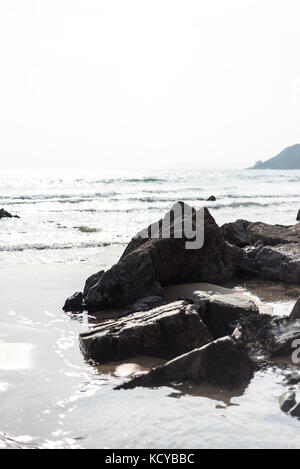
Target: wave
(43, 247)
(243, 204)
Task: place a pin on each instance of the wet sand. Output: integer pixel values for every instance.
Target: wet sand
(51, 397)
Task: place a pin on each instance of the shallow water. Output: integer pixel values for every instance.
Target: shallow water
(50, 397)
(70, 217)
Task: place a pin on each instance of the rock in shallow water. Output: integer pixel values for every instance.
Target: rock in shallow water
(149, 263)
(286, 337)
(220, 313)
(223, 362)
(266, 336)
(163, 332)
(5, 214)
(74, 304)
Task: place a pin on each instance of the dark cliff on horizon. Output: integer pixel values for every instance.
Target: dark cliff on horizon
(287, 159)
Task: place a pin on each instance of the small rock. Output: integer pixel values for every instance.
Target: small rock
(212, 198)
(75, 303)
(287, 401)
(298, 216)
(5, 214)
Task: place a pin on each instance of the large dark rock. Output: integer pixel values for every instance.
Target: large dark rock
(223, 362)
(164, 332)
(5, 214)
(220, 313)
(148, 264)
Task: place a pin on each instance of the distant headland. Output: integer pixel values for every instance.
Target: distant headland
(287, 159)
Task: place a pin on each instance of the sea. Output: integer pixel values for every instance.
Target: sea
(68, 216)
(74, 223)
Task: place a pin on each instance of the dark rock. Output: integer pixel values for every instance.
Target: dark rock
(144, 304)
(254, 332)
(298, 216)
(92, 281)
(295, 314)
(223, 362)
(287, 401)
(237, 232)
(279, 262)
(285, 333)
(243, 232)
(268, 336)
(220, 312)
(5, 214)
(212, 198)
(163, 332)
(295, 411)
(74, 303)
(148, 264)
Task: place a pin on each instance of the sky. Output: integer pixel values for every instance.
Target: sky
(147, 84)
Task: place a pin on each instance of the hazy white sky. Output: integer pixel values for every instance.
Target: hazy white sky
(147, 84)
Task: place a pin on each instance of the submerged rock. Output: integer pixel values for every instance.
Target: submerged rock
(5, 214)
(220, 312)
(164, 332)
(150, 263)
(222, 362)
